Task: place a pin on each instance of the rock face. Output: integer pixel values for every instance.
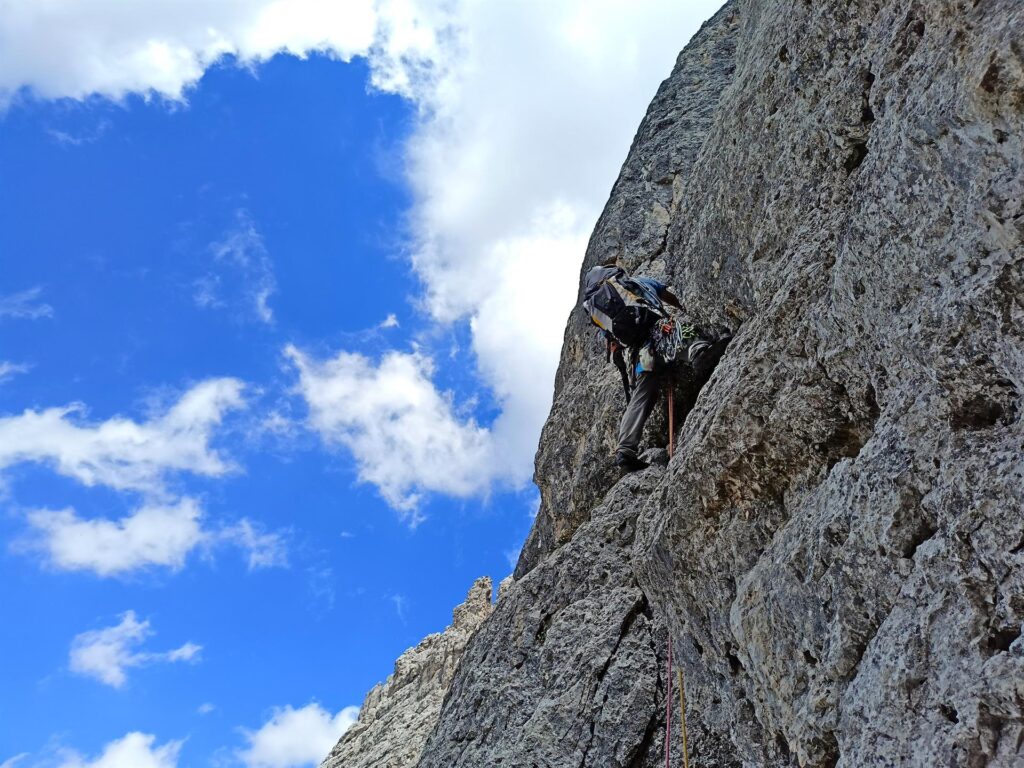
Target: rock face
(399, 714)
(837, 547)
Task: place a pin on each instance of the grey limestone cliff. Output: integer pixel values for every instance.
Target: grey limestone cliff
(398, 715)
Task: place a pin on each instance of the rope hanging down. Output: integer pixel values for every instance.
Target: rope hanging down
(682, 715)
(668, 709)
(668, 712)
(669, 394)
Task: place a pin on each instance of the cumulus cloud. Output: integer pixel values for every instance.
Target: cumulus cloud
(107, 654)
(241, 276)
(139, 458)
(296, 737)
(120, 453)
(134, 750)
(406, 437)
(162, 47)
(155, 535)
(25, 304)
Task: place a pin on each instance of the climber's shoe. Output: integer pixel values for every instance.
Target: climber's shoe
(628, 463)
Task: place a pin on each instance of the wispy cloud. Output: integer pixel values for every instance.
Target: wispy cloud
(7, 371)
(241, 277)
(265, 550)
(296, 737)
(321, 581)
(401, 602)
(391, 321)
(25, 305)
(107, 654)
(81, 137)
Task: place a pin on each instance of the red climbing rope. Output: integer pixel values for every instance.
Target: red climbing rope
(668, 709)
(682, 715)
(671, 418)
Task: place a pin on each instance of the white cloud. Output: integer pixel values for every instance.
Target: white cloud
(296, 737)
(162, 46)
(121, 453)
(510, 161)
(107, 654)
(391, 321)
(155, 535)
(7, 370)
(24, 304)
(242, 274)
(140, 458)
(134, 750)
(400, 602)
(160, 536)
(265, 550)
(406, 437)
(12, 761)
(206, 708)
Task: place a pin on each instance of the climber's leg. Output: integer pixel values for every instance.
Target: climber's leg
(645, 397)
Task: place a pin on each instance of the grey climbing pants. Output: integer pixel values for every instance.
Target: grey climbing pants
(642, 402)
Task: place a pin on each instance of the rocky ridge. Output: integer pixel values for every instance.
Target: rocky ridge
(837, 548)
(398, 715)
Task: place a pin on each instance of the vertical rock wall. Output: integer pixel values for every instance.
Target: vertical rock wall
(838, 546)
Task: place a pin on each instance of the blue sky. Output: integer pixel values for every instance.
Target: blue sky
(270, 384)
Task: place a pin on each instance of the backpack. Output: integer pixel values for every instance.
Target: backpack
(623, 308)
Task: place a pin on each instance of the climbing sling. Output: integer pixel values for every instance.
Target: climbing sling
(614, 355)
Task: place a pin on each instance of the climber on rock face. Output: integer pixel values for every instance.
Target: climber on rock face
(631, 313)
